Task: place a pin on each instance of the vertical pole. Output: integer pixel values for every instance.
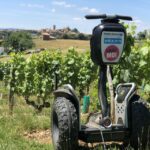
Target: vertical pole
(111, 91)
(102, 92)
(56, 81)
(11, 91)
(11, 101)
(56, 77)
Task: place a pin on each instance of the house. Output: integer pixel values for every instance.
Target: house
(47, 36)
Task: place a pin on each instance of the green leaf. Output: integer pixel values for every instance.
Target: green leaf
(142, 63)
(71, 62)
(147, 88)
(145, 50)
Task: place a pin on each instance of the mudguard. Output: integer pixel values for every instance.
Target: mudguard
(68, 92)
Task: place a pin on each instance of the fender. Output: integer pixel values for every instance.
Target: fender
(68, 92)
(133, 98)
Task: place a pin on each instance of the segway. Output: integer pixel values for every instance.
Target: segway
(130, 121)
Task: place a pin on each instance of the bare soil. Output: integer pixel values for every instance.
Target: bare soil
(43, 137)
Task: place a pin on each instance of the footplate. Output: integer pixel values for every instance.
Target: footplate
(94, 135)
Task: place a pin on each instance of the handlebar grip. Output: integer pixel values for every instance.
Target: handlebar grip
(124, 17)
(102, 16)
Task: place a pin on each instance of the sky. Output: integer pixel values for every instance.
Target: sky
(38, 14)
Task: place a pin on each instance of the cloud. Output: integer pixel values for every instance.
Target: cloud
(89, 10)
(77, 19)
(53, 10)
(93, 10)
(32, 5)
(63, 3)
(60, 3)
(137, 21)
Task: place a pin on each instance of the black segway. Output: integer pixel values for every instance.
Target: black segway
(130, 121)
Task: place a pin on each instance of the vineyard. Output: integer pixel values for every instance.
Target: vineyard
(32, 80)
(39, 75)
(74, 75)
(29, 80)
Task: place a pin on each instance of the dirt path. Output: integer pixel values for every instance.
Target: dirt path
(43, 136)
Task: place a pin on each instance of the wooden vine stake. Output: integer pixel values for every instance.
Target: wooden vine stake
(11, 101)
(11, 91)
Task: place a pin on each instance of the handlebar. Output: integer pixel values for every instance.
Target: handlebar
(104, 16)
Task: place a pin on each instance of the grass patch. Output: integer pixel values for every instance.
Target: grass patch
(24, 119)
(80, 45)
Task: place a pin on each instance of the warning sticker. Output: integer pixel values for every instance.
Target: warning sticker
(111, 53)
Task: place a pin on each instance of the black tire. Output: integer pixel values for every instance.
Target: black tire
(64, 125)
(140, 125)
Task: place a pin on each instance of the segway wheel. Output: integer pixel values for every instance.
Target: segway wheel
(64, 123)
(140, 132)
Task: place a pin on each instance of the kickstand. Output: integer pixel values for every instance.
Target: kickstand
(104, 145)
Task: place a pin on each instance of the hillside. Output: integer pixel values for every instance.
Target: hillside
(65, 33)
(80, 45)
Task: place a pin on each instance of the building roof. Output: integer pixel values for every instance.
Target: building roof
(46, 34)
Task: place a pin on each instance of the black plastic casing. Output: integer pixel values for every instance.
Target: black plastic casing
(95, 41)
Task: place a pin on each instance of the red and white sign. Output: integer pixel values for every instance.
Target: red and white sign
(111, 53)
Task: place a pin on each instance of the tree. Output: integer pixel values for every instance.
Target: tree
(141, 35)
(65, 36)
(18, 41)
(81, 36)
(75, 30)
